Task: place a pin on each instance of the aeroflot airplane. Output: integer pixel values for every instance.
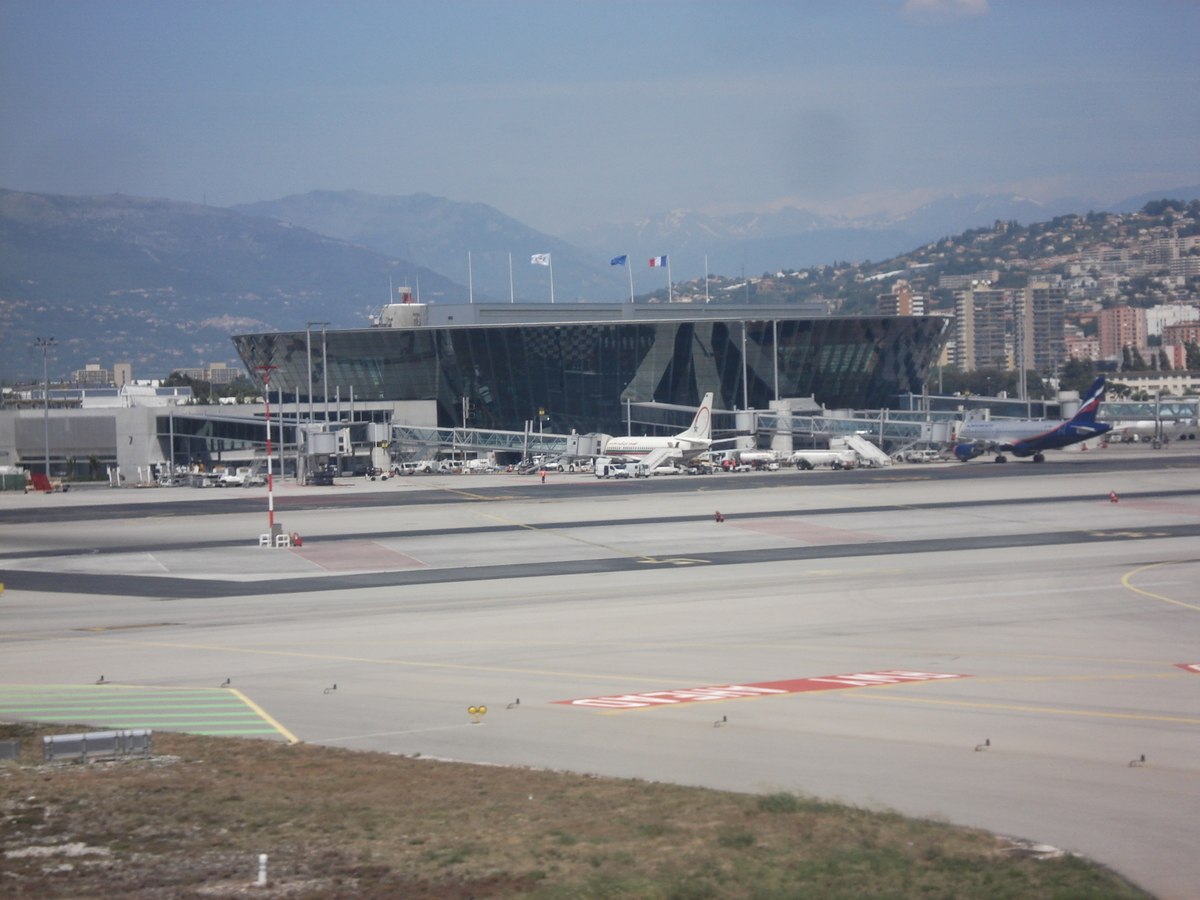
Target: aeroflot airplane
(692, 442)
(1030, 437)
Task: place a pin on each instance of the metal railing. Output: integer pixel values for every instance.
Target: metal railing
(96, 744)
(478, 439)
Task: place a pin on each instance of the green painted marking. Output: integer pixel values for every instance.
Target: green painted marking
(138, 723)
(209, 711)
(59, 707)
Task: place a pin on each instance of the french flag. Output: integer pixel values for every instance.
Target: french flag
(657, 261)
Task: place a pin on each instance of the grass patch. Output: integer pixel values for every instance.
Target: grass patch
(340, 824)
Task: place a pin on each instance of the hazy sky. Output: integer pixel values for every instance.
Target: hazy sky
(569, 113)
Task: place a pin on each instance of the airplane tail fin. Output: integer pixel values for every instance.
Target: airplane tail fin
(701, 428)
(1087, 409)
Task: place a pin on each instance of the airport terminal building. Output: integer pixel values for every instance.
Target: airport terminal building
(576, 366)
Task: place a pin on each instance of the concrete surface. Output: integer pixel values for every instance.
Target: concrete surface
(1067, 616)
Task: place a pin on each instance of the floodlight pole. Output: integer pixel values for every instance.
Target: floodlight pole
(308, 344)
(266, 374)
(46, 345)
(325, 371)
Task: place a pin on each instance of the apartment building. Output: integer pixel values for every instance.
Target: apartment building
(1183, 333)
(1121, 326)
(980, 333)
(902, 301)
(1158, 317)
(1039, 311)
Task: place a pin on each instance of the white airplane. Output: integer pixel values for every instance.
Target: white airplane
(1029, 437)
(1172, 429)
(685, 445)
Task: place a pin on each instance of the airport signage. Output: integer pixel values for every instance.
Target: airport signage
(759, 689)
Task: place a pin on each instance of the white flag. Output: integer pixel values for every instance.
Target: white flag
(540, 259)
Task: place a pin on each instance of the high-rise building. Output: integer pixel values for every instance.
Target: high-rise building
(980, 316)
(1040, 313)
(1121, 326)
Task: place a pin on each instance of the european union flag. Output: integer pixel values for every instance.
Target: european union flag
(620, 261)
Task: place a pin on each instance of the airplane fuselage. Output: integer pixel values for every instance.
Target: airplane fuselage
(1028, 437)
(644, 446)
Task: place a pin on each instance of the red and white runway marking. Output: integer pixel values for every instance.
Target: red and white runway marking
(759, 689)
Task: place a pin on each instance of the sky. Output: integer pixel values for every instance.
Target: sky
(573, 113)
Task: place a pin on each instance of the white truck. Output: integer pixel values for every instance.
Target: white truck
(605, 467)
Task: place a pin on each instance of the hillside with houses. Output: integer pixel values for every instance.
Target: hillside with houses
(1079, 293)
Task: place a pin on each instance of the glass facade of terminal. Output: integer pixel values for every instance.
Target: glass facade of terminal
(581, 374)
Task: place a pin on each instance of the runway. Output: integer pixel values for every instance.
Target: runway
(995, 649)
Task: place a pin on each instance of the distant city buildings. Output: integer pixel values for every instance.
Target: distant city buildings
(92, 375)
(214, 373)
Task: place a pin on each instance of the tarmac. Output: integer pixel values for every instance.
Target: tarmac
(994, 645)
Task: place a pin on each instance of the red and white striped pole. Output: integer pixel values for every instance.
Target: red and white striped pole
(266, 373)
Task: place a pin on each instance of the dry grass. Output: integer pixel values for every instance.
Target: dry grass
(190, 822)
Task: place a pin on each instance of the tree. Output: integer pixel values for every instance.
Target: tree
(1193, 357)
(1077, 375)
(200, 389)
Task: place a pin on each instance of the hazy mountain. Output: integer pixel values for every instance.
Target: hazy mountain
(1133, 204)
(796, 238)
(956, 214)
(163, 284)
(439, 233)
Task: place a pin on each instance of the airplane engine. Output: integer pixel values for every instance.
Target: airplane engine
(966, 452)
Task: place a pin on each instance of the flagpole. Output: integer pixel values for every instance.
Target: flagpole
(470, 280)
(512, 298)
(550, 257)
(670, 295)
(629, 266)
(706, 278)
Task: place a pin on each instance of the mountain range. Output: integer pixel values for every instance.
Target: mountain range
(163, 284)
(440, 233)
(793, 238)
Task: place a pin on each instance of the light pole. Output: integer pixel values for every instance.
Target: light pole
(325, 372)
(308, 334)
(266, 374)
(46, 344)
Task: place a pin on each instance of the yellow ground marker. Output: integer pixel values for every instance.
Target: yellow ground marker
(265, 716)
(1168, 562)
